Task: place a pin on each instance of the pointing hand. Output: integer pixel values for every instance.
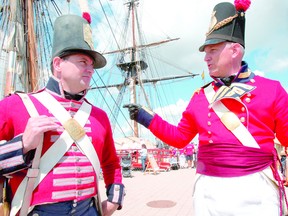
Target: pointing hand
(140, 114)
(133, 110)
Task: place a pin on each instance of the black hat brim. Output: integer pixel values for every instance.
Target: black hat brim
(99, 60)
(210, 42)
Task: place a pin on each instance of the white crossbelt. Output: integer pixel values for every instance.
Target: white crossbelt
(230, 120)
(61, 146)
(33, 171)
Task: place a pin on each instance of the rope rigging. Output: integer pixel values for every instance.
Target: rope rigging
(137, 68)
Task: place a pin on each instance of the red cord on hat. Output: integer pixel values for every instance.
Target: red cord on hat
(242, 5)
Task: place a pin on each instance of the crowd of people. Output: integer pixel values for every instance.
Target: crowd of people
(186, 157)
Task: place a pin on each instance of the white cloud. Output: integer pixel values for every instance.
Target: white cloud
(172, 112)
(281, 64)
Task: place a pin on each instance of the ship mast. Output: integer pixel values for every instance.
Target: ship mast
(31, 41)
(134, 67)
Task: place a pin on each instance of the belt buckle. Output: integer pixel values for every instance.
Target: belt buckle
(74, 129)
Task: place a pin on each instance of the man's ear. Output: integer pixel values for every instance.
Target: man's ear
(236, 49)
(56, 66)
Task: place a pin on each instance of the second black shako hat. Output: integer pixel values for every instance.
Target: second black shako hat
(227, 23)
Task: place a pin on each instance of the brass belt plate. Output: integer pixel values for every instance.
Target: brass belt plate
(230, 120)
(75, 130)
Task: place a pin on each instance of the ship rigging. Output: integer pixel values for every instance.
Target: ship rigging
(133, 68)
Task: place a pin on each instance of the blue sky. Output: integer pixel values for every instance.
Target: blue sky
(266, 44)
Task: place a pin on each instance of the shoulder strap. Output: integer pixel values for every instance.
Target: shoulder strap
(32, 172)
(28, 104)
(230, 120)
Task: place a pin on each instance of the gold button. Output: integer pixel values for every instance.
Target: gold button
(209, 123)
(210, 141)
(243, 109)
(242, 119)
(247, 100)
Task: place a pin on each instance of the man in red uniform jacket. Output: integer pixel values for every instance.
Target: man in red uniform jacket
(69, 186)
(189, 150)
(237, 117)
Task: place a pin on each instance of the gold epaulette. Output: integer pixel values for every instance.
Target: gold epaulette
(197, 91)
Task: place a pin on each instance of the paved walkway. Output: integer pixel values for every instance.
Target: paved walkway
(164, 194)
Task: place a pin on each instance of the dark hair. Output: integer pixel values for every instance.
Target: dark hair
(62, 57)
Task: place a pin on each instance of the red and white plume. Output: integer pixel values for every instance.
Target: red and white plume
(242, 5)
(85, 10)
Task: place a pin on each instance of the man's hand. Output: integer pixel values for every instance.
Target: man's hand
(140, 114)
(109, 208)
(34, 131)
(133, 110)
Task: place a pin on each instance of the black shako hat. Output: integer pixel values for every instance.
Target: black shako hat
(227, 23)
(73, 34)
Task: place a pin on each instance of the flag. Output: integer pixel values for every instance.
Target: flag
(203, 75)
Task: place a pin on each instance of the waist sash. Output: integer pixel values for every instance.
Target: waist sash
(231, 160)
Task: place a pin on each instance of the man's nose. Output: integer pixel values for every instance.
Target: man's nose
(90, 69)
(207, 58)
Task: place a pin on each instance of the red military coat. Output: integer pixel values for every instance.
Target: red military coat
(81, 183)
(263, 111)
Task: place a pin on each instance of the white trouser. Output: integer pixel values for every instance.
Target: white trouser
(249, 195)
